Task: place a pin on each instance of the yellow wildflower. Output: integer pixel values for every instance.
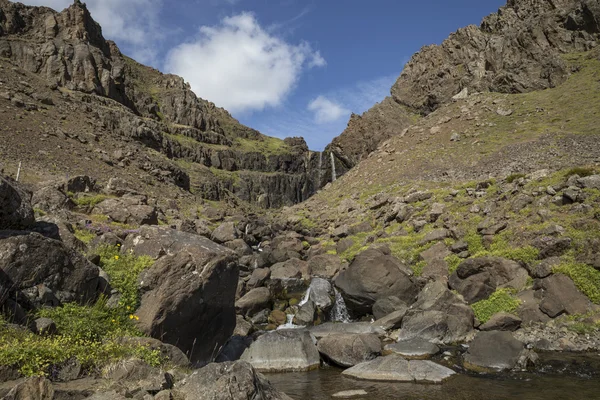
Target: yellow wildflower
(116, 257)
(130, 316)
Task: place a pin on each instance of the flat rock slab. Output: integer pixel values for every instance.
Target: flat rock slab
(493, 351)
(356, 328)
(413, 349)
(283, 350)
(349, 394)
(394, 368)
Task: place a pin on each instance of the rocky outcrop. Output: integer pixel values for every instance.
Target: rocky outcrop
(15, 206)
(37, 271)
(67, 50)
(227, 381)
(188, 299)
(375, 274)
(516, 50)
(283, 350)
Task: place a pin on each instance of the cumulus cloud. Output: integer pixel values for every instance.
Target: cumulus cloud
(241, 66)
(326, 111)
(132, 23)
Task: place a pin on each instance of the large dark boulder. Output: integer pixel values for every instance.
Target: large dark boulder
(477, 278)
(38, 271)
(560, 296)
(15, 206)
(227, 381)
(348, 350)
(493, 351)
(375, 274)
(188, 299)
(283, 350)
(438, 316)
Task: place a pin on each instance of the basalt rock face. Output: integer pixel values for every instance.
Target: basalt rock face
(67, 50)
(516, 50)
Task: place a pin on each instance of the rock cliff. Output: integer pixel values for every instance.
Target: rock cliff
(516, 50)
(129, 101)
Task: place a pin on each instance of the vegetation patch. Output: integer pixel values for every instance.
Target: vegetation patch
(453, 262)
(89, 201)
(500, 300)
(514, 177)
(124, 270)
(89, 334)
(85, 235)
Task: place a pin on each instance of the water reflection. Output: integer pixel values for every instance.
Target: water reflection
(321, 384)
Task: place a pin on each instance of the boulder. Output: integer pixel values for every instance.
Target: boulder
(436, 236)
(551, 246)
(293, 268)
(158, 241)
(234, 348)
(254, 301)
(392, 320)
(226, 232)
(38, 388)
(387, 305)
(347, 350)
(590, 182)
(325, 265)
(560, 295)
(188, 299)
(258, 278)
(356, 328)
(374, 275)
(412, 349)
(15, 206)
(175, 356)
(394, 368)
(306, 314)
(322, 294)
(477, 278)
(130, 210)
(50, 199)
(227, 381)
(43, 326)
(283, 350)
(493, 351)
(45, 270)
(438, 316)
(502, 321)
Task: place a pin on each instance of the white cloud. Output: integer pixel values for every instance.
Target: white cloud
(131, 23)
(326, 110)
(240, 66)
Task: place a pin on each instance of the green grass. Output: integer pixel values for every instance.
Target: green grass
(581, 171)
(90, 201)
(88, 333)
(85, 235)
(263, 144)
(500, 300)
(453, 262)
(124, 270)
(513, 177)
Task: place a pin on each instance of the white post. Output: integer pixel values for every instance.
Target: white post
(18, 172)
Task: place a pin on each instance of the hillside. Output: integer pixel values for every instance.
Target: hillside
(69, 92)
(519, 49)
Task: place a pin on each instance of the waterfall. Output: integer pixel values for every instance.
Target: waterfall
(320, 170)
(305, 298)
(339, 312)
(333, 174)
(289, 324)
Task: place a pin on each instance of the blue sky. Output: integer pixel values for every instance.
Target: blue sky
(284, 67)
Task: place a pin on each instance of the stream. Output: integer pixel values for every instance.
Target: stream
(560, 376)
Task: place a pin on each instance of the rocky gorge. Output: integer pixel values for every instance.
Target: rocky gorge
(456, 253)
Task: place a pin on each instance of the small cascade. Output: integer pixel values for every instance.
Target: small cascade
(289, 324)
(339, 312)
(333, 174)
(305, 298)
